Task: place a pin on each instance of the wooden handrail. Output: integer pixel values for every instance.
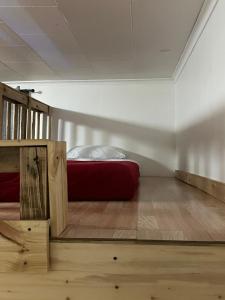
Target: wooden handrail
(22, 117)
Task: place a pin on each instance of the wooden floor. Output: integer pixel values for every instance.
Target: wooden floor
(164, 209)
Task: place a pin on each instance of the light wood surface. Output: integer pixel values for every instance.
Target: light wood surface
(57, 184)
(33, 183)
(165, 209)
(207, 185)
(43, 178)
(100, 271)
(24, 246)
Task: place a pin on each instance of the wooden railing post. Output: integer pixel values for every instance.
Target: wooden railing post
(1, 114)
(33, 183)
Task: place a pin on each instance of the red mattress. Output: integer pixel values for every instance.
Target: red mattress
(87, 180)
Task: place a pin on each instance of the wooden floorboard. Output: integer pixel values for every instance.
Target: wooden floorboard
(164, 209)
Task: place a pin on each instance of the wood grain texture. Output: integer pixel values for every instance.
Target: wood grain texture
(207, 185)
(165, 209)
(9, 159)
(38, 106)
(33, 183)
(58, 191)
(9, 120)
(24, 246)
(102, 271)
(24, 123)
(16, 119)
(13, 94)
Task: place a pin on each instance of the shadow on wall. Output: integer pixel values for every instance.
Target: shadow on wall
(201, 146)
(154, 149)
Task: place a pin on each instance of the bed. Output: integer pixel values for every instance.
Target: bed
(87, 180)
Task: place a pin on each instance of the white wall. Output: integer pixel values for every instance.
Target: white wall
(137, 116)
(200, 103)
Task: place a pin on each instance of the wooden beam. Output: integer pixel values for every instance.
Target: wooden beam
(24, 246)
(13, 94)
(100, 271)
(58, 194)
(33, 183)
(38, 106)
(207, 185)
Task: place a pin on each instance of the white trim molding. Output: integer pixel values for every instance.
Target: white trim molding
(200, 24)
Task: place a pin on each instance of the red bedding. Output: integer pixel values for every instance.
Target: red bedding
(87, 180)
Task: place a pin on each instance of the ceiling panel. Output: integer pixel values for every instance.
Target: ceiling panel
(7, 74)
(101, 27)
(19, 53)
(33, 70)
(16, 3)
(94, 39)
(9, 38)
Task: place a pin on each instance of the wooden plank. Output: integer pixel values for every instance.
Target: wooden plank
(9, 120)
(4, 124)
(23, 122)
(16, 119)
(50, 123)
(44, 126)
(100, 271)
(57, 180)
(29, 124)
(20, 143)
(13, 94)
(207, 185)
(38, 125)
(33, 183)
(24, 246)
(33, 136)
(1, 116)
(38, 106)
(9, 159)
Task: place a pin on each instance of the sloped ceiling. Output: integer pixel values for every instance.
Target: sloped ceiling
(93, 39)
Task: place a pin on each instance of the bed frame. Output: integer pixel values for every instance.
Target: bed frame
(35, 263)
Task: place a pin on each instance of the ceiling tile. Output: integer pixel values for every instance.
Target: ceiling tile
(7, 74)
(32, 70)
(101, 27)
(93, 39)
(161, 24)
(8, 37)
(18, 54)
(25, 3)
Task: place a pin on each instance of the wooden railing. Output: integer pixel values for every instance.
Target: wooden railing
(22, 117)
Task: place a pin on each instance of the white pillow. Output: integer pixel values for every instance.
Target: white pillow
(95, 153)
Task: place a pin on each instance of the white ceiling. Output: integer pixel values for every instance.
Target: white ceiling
(93, 39)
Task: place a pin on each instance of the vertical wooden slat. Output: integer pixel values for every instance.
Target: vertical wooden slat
(9, 115)
(49, 123)
(16, 118)
(4, 123)
(23, 122)
(33, 183)
(44, 126)
(29, 123)
(1, 116)
(19, 120)
(38, 125)
(33, 124)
